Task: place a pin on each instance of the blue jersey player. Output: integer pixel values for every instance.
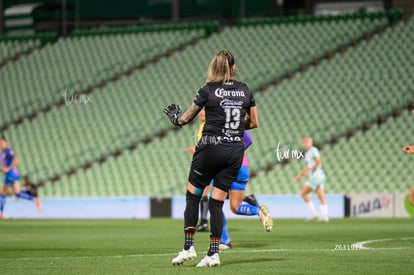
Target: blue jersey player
(11, 178)
(236, 196)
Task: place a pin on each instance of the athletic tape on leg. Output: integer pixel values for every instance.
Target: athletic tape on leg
(199, 191)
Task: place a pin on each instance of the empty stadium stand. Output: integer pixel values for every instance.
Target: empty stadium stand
(358, 84)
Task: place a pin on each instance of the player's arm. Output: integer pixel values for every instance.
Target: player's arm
(408, 149)
(173, 112)
(252, 120)
(316, 165)
(303, 173)
(191, 149)
(189, 115)
(14, 163)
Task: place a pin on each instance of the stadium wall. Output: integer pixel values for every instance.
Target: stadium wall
(383, 205)
(281, 206)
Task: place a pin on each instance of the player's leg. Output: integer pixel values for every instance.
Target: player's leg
(324, 206)
(193, 196)
(237, 192)
(217, 199)
(246, 209)
(252, 208)
(251, 199)
(8, 181)
(203, 225)
(199, 177)
(25, 195)
(3, 199)
(13, 179)
(309, 204)
(216, 226)
(235, 199)
(229, 159)
(225, 242)
(19, 193)
(238, 207)
(411, 196)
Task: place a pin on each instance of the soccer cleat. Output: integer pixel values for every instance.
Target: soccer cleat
(184, 256)
(265, 218)
(202, 228)
(251, 199)
(209, 261)
(38, 204)
(224, 246)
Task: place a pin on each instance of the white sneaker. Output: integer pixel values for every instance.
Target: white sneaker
(265, 218)
(185, 255)
(324, 219)
(209, 261)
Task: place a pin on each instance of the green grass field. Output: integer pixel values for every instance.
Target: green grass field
(147, 247)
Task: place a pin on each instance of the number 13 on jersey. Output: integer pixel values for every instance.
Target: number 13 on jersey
(232, 118)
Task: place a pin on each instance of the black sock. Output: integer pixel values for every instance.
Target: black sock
(203, 209)
(216, 224)
(190, 217)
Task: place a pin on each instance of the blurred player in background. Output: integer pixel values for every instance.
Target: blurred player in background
(315, 180)
(236, 198)
(230, 109)
(29, 187)
(410, 150)
(11, 178)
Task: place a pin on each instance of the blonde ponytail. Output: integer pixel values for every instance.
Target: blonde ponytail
(219, 70)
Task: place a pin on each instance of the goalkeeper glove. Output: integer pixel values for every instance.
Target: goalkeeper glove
(173, 112)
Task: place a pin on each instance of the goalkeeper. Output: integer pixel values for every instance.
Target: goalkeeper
(236, 193)
(230, 109)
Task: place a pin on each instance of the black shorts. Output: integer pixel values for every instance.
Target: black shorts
(220, 162)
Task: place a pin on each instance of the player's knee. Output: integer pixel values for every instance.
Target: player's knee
(214, 204)
(195, 190)
(233, 208)
(303, 194)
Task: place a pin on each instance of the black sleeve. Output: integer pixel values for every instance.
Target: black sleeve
(252, 100)
(201, 97)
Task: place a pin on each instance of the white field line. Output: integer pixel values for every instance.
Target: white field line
(358, 246)
(361, 245)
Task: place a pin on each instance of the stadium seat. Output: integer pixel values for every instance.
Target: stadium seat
(324, 101)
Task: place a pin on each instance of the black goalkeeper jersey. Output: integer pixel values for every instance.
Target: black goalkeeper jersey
(225, 105)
